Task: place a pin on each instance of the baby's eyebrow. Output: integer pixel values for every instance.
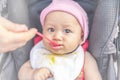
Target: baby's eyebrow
(49, 25)
(67, 25)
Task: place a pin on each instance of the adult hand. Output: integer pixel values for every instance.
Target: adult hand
(13, 36)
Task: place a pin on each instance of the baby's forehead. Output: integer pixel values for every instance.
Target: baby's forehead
(61, 17)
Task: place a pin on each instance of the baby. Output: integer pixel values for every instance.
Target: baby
(66, 23)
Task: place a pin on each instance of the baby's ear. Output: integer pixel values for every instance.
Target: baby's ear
(82, 35)
(82, 38)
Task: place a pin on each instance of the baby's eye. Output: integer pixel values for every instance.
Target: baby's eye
(51, 29)
(67, 31)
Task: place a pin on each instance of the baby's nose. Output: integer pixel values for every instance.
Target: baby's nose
(58, 36)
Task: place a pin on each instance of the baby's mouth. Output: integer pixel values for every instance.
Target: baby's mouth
(56, 47)
(54, 44)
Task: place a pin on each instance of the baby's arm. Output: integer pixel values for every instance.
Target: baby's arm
(27, 73)
(91, 68)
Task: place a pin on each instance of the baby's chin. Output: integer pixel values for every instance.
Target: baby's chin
(56, 53)
(60, 53)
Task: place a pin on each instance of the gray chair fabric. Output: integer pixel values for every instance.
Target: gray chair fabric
(103, 33)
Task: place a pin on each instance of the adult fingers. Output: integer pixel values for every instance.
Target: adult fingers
(16, 40)
(25, 36)
(18, 28)
(12, 26)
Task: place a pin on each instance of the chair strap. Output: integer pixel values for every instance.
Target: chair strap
(3, 60)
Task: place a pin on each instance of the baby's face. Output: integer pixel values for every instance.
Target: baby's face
(63, 29)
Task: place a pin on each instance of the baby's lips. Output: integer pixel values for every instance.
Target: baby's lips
(56, 47)
(53, 44)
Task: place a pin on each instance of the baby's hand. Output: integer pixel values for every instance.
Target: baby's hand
(41, 74)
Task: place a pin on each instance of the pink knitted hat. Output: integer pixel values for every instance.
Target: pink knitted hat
(70, 7)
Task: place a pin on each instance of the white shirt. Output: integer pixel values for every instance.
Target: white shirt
(63, 67)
